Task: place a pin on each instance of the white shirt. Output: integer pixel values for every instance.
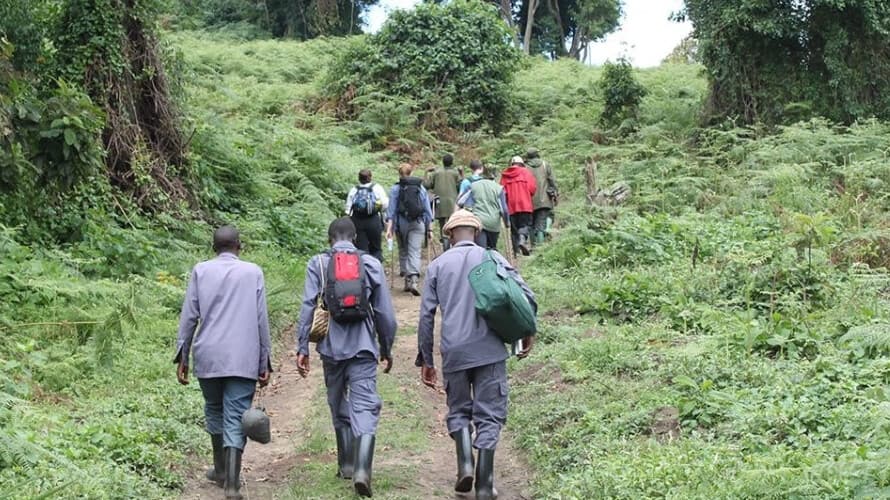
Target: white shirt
(379, 195)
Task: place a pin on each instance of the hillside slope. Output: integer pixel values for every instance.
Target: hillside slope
(722, 334)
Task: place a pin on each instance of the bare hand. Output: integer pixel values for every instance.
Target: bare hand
(428, 376)
(388, 361)
(182, 374)
(264, 379)
(303, 365)
(527, 344)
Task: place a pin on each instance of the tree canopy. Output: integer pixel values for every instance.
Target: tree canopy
(783, 60)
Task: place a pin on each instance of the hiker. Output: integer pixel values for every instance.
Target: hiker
(364, 204)
(473, 356)
(231, 347)
(409, 217)
(546, 196)
(360, 331)
(520, 186)
(486, 199)
(443, 183)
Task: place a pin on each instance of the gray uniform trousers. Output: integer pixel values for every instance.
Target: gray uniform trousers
(477, 397)
(410, 242)
(352, 393)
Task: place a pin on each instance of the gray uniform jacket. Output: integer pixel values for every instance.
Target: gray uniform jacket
(228, 296)
(346, 341)
(467, 342)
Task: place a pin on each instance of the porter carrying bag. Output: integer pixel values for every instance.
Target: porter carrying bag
(501, 301)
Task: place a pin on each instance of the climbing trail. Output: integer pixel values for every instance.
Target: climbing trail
(284, 469)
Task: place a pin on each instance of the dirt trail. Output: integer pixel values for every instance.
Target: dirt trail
(266, 468)
(285, 401)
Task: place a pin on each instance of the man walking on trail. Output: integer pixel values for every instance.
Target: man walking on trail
(520, 185)
(232, 348)
(473, 356)
(350, 349)
(364, 204)
(443, 183)
(486, 199)
(545, 197)
(409, 217)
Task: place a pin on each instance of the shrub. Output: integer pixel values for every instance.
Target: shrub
(622, 93)
(455, 59)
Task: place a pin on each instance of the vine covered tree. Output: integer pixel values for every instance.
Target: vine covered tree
(778, 61)
(454, 62)
(300, 19)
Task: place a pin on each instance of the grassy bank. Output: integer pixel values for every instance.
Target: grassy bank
(723, 334)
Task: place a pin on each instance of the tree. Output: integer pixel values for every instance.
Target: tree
(766, 61)
(564, 28)
(109, 49)
(686, 52)
(301, 19)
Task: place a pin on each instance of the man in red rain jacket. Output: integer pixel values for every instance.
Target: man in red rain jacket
(520, 186)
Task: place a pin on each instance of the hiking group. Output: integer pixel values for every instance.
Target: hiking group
(347, 311)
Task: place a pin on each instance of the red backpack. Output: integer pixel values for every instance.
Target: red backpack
(344, 290)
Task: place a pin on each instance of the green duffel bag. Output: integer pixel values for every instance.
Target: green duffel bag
(501, 301)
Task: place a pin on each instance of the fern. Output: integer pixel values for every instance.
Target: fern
(869, 340)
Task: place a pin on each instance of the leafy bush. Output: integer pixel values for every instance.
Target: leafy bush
(622, 93)
(456, 60)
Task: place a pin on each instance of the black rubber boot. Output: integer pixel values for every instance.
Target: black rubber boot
(364, 460)
(485, 476)
(344, 453)
(217, 473)
(464, 447)
(233, 474)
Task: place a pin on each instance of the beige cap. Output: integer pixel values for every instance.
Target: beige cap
(462, 218)
(517, 160)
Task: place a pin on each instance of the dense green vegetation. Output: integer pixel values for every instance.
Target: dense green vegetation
(779, 62)
(723, 333)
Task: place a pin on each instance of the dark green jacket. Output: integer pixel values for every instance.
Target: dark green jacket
(546, 183)
(444, 182)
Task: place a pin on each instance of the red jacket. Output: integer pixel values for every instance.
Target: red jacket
(520, 185)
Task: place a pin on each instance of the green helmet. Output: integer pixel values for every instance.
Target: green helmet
(255, 425)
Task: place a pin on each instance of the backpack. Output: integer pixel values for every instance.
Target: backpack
(501, 301)
(364, 202)
(344, 289)
(410, 201)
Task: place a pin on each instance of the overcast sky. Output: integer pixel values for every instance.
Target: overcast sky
(646, 34)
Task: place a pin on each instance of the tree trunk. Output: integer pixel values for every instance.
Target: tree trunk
(553, 7)
(529, 24)
(579, 44)
(505, 7)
